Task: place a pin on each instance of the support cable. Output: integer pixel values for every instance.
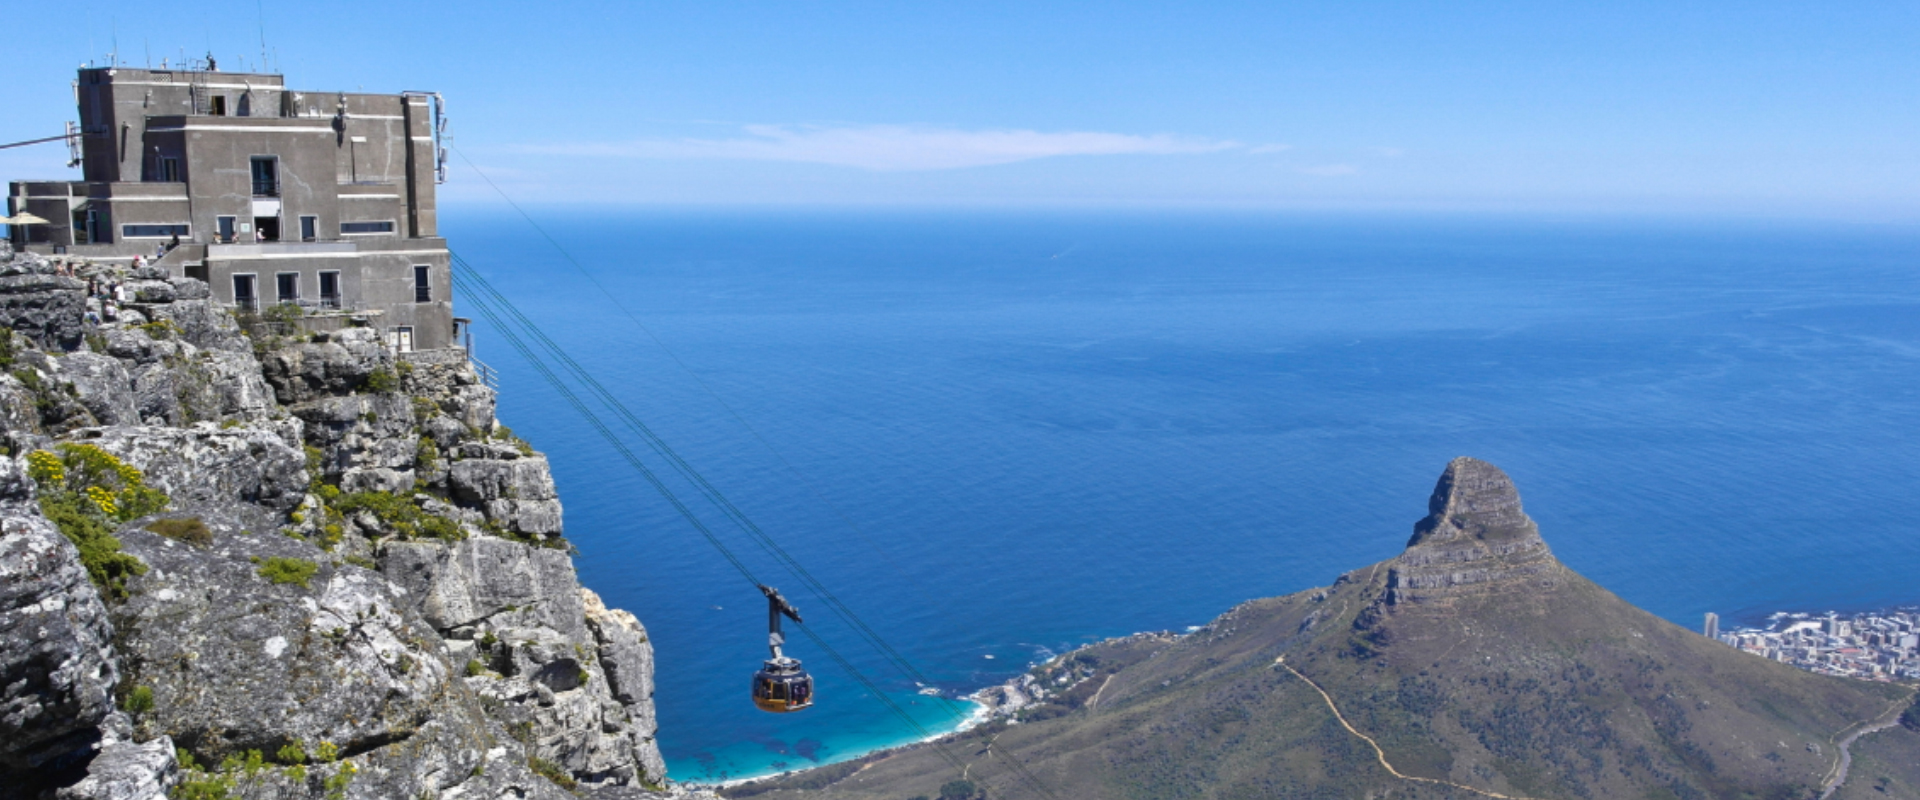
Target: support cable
(509, 333)
(712, 493)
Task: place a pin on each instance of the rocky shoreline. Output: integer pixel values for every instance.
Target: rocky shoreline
(239, 558)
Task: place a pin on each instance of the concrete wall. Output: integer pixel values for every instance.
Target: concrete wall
(341, 157)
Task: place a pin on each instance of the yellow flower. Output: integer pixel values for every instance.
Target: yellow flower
(103, 499)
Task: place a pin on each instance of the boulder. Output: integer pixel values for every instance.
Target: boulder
(57, 667)
(103, 385)
(46, 308)
(236, 661)
(209, 465)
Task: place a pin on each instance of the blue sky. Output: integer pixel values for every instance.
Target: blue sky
(1773, 109)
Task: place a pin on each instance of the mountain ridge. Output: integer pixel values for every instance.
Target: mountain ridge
(1477, 662)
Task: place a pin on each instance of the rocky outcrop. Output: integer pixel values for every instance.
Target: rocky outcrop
(47, 308)
(1475, 539)
(358, 586)
(57, 668)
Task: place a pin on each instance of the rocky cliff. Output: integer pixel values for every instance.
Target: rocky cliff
(242, 560)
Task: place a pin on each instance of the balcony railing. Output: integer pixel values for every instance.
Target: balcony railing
(266, 187)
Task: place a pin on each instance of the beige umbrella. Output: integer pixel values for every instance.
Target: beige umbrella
(23, 218)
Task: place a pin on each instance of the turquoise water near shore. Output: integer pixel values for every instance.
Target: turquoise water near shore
(1052, 428)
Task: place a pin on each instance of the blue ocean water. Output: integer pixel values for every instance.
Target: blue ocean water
(1054, 428)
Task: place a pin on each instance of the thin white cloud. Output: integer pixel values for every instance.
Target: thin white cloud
(1269, 148)
(1331, 170)
(893, 147)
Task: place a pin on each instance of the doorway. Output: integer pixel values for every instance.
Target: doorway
(266, 229)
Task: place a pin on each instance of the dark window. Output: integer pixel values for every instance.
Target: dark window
(309, 228)
(219, 108)
(330, 289)
(153, 231)
(367, 227)
(243, 292)
(225, 225)
(422, 289)
(169, 169)
(266, 229)
(266, 176)
(288, 286)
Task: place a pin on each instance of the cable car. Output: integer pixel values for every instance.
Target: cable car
(781, 686)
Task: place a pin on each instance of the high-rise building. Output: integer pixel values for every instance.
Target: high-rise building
(322, 200)
(1712, 629)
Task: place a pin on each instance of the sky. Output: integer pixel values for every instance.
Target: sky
(1753, 109)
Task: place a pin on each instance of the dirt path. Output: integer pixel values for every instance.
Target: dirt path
(1095, 700)
(1838, 776)
(1382, 754)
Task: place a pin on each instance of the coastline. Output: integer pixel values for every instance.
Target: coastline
(999, 701)
(976, 716)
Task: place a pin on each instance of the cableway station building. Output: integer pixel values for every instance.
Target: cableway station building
(325, 200)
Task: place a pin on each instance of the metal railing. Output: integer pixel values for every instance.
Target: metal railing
(487, 374)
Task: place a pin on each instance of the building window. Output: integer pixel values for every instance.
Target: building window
(422, 289)
(352, 228)
(169, 169)
(309, 228)
(243, 295)
(225, 227)
(330, 289)
(154, 231)
(266, 229)
(266, 176)
(219, 106)
(287, 287)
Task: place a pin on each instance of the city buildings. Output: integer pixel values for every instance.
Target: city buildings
(1875, 646)
(320, 200)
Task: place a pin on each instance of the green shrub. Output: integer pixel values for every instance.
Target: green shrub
(958, 790)
(475, 668)
(161, 329)
(294, 752)
(139, 701)
(400, 515)
(553, 772)
(288, 570)
(10, 350)
(336, 786)
(382, 380)
(191, 530)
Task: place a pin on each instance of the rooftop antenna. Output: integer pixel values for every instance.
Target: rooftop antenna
(260, 10)
(113, 58)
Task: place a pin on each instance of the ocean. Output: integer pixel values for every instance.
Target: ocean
(997, 436)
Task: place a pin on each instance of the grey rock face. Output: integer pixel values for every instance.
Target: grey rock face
(237, 662)
(208, 465)
(48, 309)
(376, 663)
(550, 650)
(338, 366)
(56, 661)
(125, 769)
(104, 387)
(361, 432)
(1475, 539)
(516, 492)
(627, 659)
(458, 586)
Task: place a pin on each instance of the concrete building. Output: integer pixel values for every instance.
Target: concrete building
(324, 200)
(1712, 629)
